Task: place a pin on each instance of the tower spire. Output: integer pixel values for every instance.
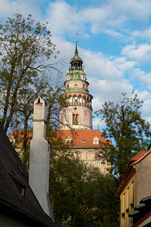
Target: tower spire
(76, 48)
(76, 62)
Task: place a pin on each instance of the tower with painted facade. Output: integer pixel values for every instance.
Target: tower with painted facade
(78, 113)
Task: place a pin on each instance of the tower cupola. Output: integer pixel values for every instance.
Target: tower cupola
(76, 62)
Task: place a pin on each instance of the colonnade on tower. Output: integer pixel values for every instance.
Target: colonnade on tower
(78, 113)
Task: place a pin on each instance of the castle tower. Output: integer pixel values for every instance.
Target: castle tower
(78, 114)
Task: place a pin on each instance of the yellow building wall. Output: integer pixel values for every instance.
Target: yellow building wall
(128, 202)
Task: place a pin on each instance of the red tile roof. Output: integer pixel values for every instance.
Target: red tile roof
(80, 138)
(19, 135)
(138, 157)
(83, 138)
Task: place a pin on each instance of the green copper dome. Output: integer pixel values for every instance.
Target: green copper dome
(76, 58)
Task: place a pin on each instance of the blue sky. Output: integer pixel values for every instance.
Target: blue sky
(114, 42)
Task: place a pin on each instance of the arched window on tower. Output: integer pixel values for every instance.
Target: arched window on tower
(70, 99)
(88, 101)
(84, 100)
(75, 119)
(80, 100)
(75, 100)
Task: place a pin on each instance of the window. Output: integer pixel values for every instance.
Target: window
(97, 156)
(68, 140)
(95, 140)
(75, 119)
(20, 187)
(87, 155)
(123, 205)
(75, 100)
(79, 156)
(83, 141)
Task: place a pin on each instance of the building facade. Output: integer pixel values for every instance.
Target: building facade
(134, 186)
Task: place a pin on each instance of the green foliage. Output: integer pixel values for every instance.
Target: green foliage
(128, 130)
(25, 73)
(81, 196)
(25, 48)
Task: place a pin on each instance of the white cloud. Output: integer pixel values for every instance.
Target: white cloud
(132, 9)
(146, 34)
(140, 53)
(113, 33)
(110, 18)
(100, 66)
(98, 123)
(143, 77)
(64, 18)
(105, 90)
(8, 8)
(146, 106)
(124, 65)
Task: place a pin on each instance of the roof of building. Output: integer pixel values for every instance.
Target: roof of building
(13, 180)
(76, 58)
(80, 138)
(138, 157)
(130, 170)
(84, 138)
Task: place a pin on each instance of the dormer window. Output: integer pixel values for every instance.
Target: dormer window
(68, 140)
(20, 187)
(95, 140)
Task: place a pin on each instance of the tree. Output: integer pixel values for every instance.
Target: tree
(128, 130)
(26, 48)
(81, 196)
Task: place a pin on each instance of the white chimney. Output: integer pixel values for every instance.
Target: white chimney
(39, 157)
